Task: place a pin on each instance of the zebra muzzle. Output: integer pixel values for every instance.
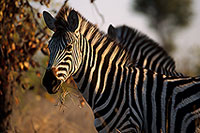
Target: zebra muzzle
(50, 82)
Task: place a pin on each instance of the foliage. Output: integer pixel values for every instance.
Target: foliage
(165, 16)
(21, 36)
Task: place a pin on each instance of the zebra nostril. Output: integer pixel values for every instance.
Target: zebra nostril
(50, 82)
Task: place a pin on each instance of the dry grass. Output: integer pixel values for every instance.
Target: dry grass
(40, 115)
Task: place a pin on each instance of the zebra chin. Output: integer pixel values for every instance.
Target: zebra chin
(50, 82)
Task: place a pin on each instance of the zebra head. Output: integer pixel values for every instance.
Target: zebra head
(64, 47)
(114, 33)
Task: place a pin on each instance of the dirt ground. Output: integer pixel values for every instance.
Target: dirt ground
(36, 114)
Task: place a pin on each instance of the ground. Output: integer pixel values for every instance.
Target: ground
(34, 113)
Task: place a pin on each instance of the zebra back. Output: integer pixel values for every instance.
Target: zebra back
(144, 52)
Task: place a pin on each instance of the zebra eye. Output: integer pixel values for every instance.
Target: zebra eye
(68, 48)
(73, 20)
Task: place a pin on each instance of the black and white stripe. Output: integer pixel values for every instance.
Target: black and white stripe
(122, 96)
(143, 50)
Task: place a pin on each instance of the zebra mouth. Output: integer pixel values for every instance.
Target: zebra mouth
(56, 87)
(50, 82)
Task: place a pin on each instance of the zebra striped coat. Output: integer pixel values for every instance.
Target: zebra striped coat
(123, 97)
(143, 50)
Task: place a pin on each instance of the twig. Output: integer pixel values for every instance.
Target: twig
(98, 12)
(35, 131)
(1, 51)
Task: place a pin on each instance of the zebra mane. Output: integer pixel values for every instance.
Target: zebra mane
(123, 34)
(85, 25)
(64, 12)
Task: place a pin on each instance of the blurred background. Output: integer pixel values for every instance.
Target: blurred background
(25, 106)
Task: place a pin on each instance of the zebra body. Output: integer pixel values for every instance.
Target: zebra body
(143, 50)
(122, 96)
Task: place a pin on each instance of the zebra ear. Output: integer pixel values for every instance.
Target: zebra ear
(49, 20)
(112, 32)
(73, 20)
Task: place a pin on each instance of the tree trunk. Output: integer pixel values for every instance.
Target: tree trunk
(6, 104)
(166, 37)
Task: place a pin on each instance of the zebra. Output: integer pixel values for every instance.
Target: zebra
(123, 97)
(143, 50)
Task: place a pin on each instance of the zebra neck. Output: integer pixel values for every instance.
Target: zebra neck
(101, 58)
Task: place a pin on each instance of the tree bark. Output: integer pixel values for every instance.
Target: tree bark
(6, 104)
